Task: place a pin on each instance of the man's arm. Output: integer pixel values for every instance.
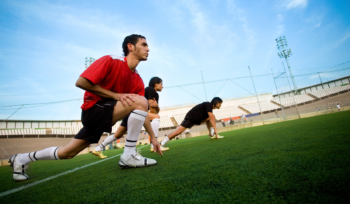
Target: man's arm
(154, 108)
(153, 103)
(154, 141)
(98, 90)
(212, 121)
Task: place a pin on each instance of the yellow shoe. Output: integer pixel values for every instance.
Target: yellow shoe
(214, 137)
(98, 154)
(164, 148)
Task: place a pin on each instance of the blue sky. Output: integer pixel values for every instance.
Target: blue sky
(44, 44)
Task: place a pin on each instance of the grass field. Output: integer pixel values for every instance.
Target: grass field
(300, 161)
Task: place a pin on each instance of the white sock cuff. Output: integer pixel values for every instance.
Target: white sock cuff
(138, 114)
(53, 153)
(156, 119)
(212, 131)
(32, 156)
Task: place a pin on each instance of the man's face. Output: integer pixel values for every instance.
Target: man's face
(159, 87)
(140, 51)
(218, 106)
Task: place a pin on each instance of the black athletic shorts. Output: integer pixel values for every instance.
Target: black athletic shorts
(125, 121)
(187, 123)
(96, 121)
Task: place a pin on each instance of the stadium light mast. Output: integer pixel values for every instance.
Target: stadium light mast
(88, 61)
(285, 53)
(296, 105)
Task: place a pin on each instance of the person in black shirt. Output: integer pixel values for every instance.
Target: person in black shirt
(201, 113)
(155, 84)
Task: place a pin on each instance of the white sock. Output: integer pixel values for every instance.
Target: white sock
(45, 154)
(135, 123)
(155, 127)
(212, 131)
(105, 142)
(166, 139)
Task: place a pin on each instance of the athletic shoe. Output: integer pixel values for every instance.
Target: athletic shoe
(164, 148)
(161, 148)
(135, 160)
(19, 170)
(98, 154)
(214, 137)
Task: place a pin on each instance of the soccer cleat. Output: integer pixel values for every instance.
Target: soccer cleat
(19, 170)
(218, 137)
(164, 148)
(161, 148)
(135, 160)
(98, 154)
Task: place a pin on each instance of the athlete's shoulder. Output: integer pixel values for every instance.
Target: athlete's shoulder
(117, 57)
(149, 88)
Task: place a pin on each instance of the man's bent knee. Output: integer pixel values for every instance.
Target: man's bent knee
(141, 103)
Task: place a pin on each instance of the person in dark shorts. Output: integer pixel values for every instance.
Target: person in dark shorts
(114, 90)
(201, 113)
(155, 85)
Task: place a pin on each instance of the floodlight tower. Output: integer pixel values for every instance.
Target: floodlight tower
(88, 61)
(285, 53)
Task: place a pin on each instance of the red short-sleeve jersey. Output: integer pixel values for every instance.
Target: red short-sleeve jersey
(111, 73)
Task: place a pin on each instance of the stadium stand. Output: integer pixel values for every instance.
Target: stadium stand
(265, 106)
(292, 100)
(165, 122)
(227, 112)
(22, 132)
(329, 91)
(179, 118)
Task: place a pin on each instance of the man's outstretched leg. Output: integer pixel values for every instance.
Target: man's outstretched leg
(19, 162)
(178, 131)
(155, 127)
(118, 134)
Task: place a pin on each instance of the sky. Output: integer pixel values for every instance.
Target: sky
(43, 45)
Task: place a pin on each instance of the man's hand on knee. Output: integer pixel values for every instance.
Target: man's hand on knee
(126, 99)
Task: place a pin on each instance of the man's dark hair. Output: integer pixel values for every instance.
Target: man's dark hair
(215, 101)
(154, 81)
(133, 39)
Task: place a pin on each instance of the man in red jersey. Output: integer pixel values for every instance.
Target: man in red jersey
(155, 85)
(114, 90)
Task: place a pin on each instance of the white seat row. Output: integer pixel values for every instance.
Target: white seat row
(66, 131)
(265, 106)
(27, 131)
(292, 100)
(165, 122)
(329, 91)
(227, 112)
(179, 118)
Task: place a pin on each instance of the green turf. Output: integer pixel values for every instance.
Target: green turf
(300, 161)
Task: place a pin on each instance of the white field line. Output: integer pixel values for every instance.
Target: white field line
(55, 176)
(5, 152)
